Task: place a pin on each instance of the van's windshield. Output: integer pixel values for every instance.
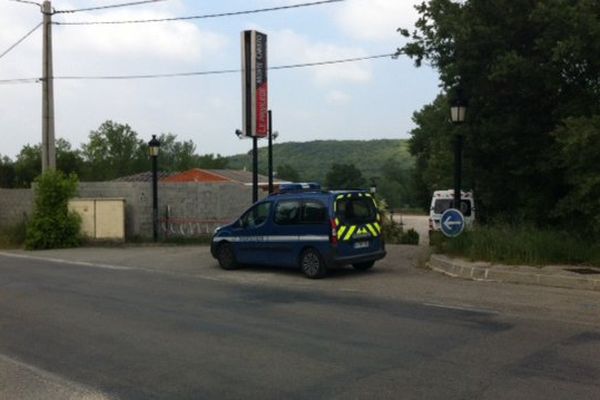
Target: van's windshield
(442, 205)
(355, 210)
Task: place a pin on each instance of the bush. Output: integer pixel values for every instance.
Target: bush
(392, 231)
(520, 245)
(13, 236)
(52, 225)
(410, 237)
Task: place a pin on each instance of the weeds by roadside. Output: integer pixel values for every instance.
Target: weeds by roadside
(13, 236)
(519, 245)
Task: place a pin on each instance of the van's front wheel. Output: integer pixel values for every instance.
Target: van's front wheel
(226, 256)
(312, 264)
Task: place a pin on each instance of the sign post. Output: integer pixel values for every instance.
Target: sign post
(452, 223)
(254, 95)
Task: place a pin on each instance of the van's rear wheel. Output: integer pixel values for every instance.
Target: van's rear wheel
(226, 256)
(312, 264)
(364, 266)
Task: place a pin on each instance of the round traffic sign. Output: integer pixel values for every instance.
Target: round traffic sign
(452, 222)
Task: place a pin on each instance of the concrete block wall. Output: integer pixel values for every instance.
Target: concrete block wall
(194, 208)
(15, 206)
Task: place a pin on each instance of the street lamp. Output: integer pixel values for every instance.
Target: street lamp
(272, 136)
(458, 113)
(153, 146)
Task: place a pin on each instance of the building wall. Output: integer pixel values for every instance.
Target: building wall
(193, 208)
(15, 206)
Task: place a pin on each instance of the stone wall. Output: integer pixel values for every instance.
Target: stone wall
(15, 206)
(186, 209)
(193, 208)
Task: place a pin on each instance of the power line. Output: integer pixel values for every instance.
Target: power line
(200, 73)
(19, 80)
(219, 72)
(205, 16)
(20, 40)
(133, 3)
(27, 2)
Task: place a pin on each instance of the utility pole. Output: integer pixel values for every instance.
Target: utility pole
(270, 152)
(48, 143)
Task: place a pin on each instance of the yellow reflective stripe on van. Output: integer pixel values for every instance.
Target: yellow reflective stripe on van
(337, 222)
(350, 232)
(341, 231)
(372, 230)
(378, 227)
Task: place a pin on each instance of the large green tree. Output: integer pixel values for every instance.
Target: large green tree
(344, 176)
(525, 67)
(114, 150)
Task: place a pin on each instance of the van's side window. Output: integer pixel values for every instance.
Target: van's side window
(314, 212)
(256, 216)
(287, 212)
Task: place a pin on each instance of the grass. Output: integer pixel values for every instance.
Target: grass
(13, 236)
(520, 245)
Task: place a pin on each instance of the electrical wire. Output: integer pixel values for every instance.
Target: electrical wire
(20, 40)
(205, 16)
(27, 2)
(19, 80)
(220, 72)
(133, 3)
(199, 73)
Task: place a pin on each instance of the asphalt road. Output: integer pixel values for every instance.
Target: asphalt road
(167, 323)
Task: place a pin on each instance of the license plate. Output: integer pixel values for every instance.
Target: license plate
(361, 245)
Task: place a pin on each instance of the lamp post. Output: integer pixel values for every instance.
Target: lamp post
(458, 112)
(153, 146)
(272, 136)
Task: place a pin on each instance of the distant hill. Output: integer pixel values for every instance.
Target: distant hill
(313, 159)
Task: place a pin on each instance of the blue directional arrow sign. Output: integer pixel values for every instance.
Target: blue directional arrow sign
(452, 222)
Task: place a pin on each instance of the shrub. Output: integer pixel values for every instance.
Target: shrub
(392, 231)
(520, 245)
(410, 237)
(13, 236)
(52, 225)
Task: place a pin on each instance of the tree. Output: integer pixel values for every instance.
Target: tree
(578, 142)
(114, 150)
(67, 160)
(396, 184)
(344, 176)
(525, 67)
(288, 173)
(7, 172)
(28, 165)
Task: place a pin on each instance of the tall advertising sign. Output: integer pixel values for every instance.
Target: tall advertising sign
(254, 84)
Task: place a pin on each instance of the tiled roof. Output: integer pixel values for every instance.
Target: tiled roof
(200, 176)
(196, 175)
(143, 177)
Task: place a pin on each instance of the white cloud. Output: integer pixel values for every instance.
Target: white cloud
(173, 41)
(289, 47)
(376, 20)
(338, 97)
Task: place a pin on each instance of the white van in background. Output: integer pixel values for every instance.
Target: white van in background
(443, 200)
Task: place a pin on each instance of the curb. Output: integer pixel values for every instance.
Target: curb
(480, 271)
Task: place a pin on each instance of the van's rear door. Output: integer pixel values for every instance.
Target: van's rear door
(358, 224)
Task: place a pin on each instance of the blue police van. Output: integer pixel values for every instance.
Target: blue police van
(305, 227)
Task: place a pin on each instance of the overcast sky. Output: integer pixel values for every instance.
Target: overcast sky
(362, 100)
